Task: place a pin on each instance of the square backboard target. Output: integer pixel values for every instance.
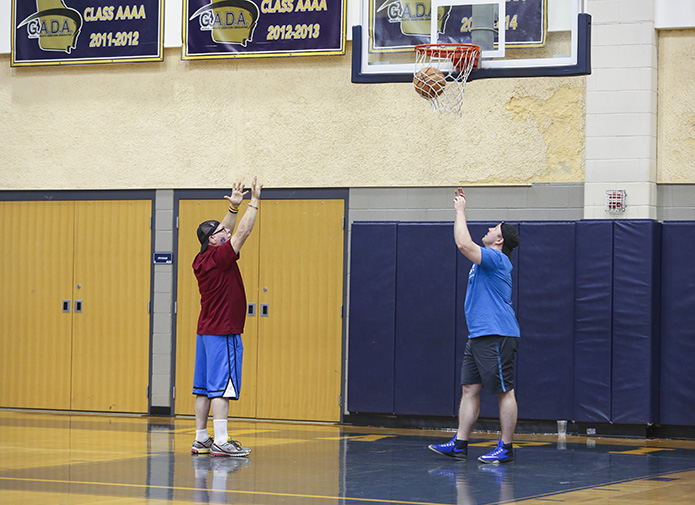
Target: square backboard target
(540, 37)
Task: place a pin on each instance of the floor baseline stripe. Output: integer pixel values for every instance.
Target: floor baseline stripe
(232, 491)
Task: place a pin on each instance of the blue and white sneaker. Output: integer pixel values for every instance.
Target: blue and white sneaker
(451, 473)
(498, 471)
(449, 449)
(504, 453)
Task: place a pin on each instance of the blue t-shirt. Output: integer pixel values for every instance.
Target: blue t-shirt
(488, 304)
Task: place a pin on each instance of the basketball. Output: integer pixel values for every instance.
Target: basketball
(429, 82)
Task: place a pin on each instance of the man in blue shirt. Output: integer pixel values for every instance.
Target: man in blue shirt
(488, 360)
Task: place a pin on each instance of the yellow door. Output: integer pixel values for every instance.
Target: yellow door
(111, 341)
(293, 265)
(191, 214)
(74, 287)
(35, 277)
(301, 282)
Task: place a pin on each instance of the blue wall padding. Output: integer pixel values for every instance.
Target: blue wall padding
(373, 317)
(606, 308)
(425, 319)
(636, 282)
(546, 316)
(593, 312)
(488, 403)
(678, 324)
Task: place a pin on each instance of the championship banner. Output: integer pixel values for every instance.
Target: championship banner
(398, 25)
(72, 32)
(255, 28)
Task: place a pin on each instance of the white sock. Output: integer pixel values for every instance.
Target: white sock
(220, 431)
(201, 435)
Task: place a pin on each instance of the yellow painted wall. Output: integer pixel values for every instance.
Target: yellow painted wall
(676, 107)
(296, 122)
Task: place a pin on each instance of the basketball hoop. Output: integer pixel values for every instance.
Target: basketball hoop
(440, 74)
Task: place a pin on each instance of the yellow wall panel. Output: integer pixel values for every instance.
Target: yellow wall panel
(111, 337)
(35, 277)
(191, 214)
(293, 262)
(300, 278)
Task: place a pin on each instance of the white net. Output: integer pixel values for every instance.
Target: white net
(441, 72)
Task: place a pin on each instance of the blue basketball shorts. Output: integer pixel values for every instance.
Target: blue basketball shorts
(218, 361)
(489, 361)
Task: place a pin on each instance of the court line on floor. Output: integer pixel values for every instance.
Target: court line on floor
(542, 496)
(231, 491)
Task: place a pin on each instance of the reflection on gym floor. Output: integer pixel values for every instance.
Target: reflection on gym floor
(59, 458)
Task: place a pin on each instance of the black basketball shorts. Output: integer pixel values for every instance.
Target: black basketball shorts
(489, 360)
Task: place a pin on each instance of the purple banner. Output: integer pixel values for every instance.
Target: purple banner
(59, 32)
(239, 28)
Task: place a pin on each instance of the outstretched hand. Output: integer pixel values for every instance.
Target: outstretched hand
(237, 194)
(459, 199)
(256, 188)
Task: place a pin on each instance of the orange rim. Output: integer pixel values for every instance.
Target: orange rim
(458, 54)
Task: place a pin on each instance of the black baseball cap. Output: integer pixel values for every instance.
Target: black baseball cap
(205, 229)
(511, 238)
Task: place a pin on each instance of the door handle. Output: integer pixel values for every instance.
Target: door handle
(78, 306)
(251, 309)
(66, 305)
(264, 310)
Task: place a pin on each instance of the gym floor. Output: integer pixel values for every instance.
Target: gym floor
(65, 458)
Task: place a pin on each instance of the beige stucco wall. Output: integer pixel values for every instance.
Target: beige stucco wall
(296, 122)
(676, 107)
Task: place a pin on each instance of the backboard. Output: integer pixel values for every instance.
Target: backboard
(541, 37)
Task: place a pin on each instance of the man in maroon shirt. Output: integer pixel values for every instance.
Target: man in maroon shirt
(219, 349)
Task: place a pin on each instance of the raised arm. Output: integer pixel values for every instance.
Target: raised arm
(462, 236)
(249, 219)
(234, 200)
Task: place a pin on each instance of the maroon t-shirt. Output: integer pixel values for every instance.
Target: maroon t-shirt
(222, 295)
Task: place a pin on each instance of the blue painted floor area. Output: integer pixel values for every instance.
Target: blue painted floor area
(398, 469)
